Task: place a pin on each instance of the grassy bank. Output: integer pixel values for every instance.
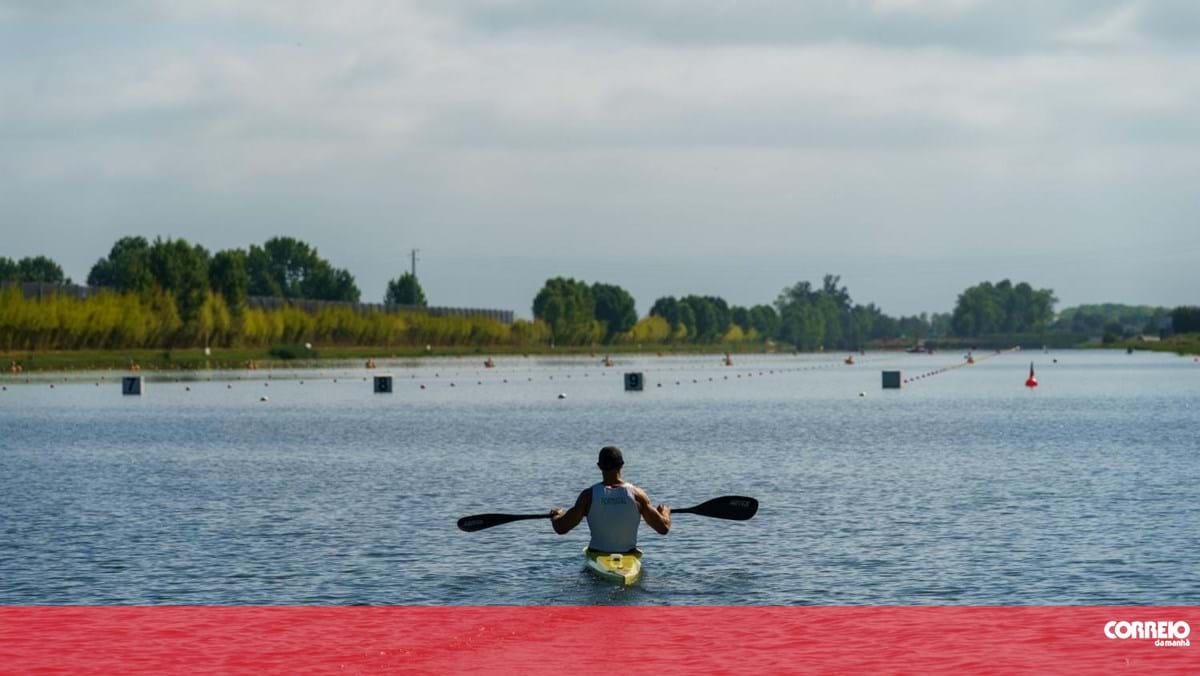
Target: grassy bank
(236, 358)
(1003, 341)
(1184, 343)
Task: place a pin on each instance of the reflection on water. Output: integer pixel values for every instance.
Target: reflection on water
(963, 488)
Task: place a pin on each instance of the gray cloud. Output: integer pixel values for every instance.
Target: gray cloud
(898, 132)
(1017, 25)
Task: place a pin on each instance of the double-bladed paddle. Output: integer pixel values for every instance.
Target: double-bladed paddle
(732, 507)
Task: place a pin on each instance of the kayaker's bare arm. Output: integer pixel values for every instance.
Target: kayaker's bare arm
(658, 518)
(563, 522)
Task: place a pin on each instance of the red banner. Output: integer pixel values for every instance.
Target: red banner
(559, 639)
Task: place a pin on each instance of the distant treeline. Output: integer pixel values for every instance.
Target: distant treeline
(113, 320)
(33, 269)
(803, 316)
(988, 308)
(170, 293)
(282, 267)
(1113, 321)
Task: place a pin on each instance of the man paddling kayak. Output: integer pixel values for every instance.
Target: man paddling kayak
(613, 507)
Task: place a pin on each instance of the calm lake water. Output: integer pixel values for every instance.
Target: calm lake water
(962, 488)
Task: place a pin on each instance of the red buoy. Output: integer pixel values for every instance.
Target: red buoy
(1031, 381)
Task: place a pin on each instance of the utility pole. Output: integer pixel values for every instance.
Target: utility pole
(414, 263)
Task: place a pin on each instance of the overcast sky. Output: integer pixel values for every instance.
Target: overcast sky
(691, 146)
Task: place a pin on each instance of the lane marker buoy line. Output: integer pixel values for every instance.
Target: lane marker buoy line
(498, 376)
(955, 366)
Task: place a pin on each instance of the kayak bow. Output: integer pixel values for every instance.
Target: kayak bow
(624, 569)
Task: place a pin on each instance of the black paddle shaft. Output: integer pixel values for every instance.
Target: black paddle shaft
(471, 524)
(732, 507)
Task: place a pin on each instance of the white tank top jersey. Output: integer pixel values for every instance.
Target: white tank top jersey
(613, 518)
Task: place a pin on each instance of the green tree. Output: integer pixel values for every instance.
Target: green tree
(839, 296)
(285, 267)
(740, 316)
(977, 312)
(826, 317)
(326, 282)
(405, 290)
(615, 308)
(831, 321)
(567, 306)
(667, 308)
(227, 277)
(1185, 319)
(40, 269)
(1002, 308)
(126, 268)
(764, 320)
(8, 270)
(802, 325)
(1113, 331)
(182, 270)
(711, 317)
(799, 322)
(940, 324)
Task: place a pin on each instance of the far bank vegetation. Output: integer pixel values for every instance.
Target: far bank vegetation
(173, 294)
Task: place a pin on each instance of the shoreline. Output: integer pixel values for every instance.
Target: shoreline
(225, 359)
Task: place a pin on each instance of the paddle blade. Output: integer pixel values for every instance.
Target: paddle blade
(471, 524)
(732, 507)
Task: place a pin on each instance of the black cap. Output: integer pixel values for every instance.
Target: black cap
(610, 458)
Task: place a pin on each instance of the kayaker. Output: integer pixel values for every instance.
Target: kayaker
(614, 508)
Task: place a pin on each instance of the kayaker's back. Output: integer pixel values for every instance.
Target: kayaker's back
(613, 518)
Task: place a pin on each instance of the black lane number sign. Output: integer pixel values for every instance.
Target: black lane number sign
(634, 382)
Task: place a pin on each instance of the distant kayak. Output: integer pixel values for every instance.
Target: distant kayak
(623, 569)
